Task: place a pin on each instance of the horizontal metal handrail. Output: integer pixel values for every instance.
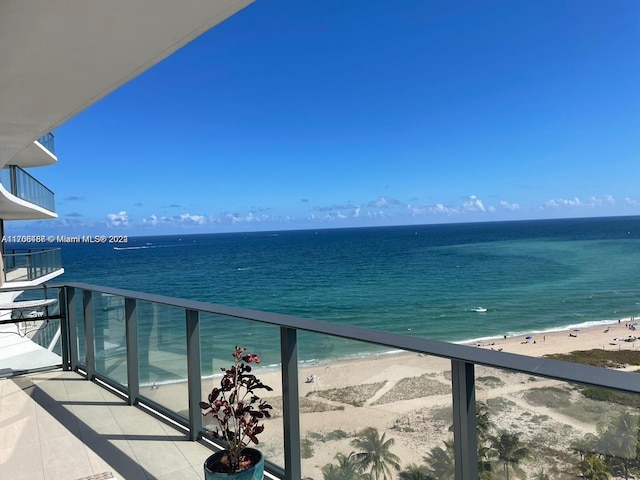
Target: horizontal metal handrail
(36, 263)
(544, 367)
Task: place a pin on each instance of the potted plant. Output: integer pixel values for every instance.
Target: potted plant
(237, 411)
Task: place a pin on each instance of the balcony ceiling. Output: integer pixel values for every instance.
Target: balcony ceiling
(57, 57)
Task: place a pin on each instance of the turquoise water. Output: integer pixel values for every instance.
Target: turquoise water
(530, 276)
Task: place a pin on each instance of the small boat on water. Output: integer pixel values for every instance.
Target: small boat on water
(479, 309)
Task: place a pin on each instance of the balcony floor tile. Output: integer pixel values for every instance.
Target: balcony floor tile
(57, 425)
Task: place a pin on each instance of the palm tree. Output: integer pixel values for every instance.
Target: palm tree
(347, 469)
(483, 423)
(375, 454)
(585, 445)
(510, 451)
(415, 472)
(485, 464)
(594, 468)
(541, 475)
(441, 463)
(618, 440)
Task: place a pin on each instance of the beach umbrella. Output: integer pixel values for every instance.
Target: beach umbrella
(528, 337)
(576, 329)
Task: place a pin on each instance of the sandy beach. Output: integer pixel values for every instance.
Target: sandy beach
(407, 397)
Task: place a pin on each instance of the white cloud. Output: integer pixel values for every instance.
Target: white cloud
(591, 202)
(152, 220)
(193, 219)
(509, 206)
(383, 202)
(437, 208)
(440, 208)
(563, 202)
(118, 219)
(473, 204)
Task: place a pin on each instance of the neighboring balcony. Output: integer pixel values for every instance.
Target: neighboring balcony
(31, 265)
(22, 197)
(46, 141)
(38, 153)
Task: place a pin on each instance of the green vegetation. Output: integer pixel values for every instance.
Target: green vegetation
(600, 358)
(335, 435)
(306, 448)
(499, 405)
(307, 405)
(356, 395)
(612, 452)
(550, 397)
(605, 395)
(490, 381)
(375, 454)
(414, 387)
(328, 437)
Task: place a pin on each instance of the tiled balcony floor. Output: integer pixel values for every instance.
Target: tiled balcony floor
(59, 426)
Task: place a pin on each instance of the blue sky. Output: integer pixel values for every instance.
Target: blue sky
(338, 114)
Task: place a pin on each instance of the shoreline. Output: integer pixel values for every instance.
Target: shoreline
(585, 336)
(408, 395)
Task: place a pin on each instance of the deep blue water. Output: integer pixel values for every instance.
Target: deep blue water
(530, 276)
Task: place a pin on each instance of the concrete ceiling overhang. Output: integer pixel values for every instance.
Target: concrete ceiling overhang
(34, 155)
(57, 57)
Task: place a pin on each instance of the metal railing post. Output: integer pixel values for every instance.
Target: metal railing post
(72, 328)
(89, 344)
(290, 403)
(194, 383)
(133, 373)
(465, 441)
(65, 343)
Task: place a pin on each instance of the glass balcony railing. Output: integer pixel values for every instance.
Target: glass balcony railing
(28, 265)
(46, 141)
(431, 409)
(19, 183)
(438, 410)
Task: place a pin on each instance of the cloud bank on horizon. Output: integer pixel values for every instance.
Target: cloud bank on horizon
(379, 212)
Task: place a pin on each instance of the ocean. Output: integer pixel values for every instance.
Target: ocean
(452, 282)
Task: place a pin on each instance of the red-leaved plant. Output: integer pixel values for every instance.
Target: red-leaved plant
(237, 410)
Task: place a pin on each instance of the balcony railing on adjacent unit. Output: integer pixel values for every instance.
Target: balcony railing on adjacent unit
(24, 186)
(28, 265)
(46, 141)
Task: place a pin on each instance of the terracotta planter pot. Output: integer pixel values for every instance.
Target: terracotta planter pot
(255, 472)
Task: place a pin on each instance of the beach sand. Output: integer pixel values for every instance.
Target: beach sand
(407, 397)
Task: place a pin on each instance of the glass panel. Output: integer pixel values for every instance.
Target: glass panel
(396, 406)
(110, 337)
(45, 333)
(539, 427)
(31, 339)
(162, 355)
(47, 141)
(219, 336)
(5, 178)
(30, 189)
